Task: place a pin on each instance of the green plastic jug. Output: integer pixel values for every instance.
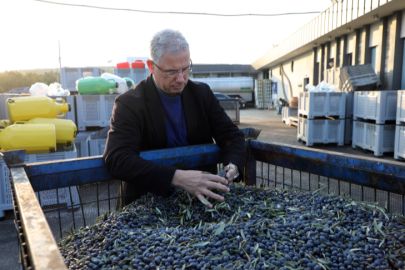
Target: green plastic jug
(96, 86)
(130, 82)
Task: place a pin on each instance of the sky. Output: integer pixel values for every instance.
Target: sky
(32, 30)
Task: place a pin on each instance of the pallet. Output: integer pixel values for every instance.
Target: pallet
(322, 117)
(293, 121)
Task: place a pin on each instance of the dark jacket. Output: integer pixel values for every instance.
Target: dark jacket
(137, 124)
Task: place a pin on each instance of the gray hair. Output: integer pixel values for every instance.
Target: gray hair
(167, 42)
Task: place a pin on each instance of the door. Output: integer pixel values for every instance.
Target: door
(306, 82)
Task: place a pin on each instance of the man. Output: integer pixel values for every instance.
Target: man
(168, 110)
(283, 103)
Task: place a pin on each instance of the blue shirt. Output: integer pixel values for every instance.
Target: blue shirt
(174, 119)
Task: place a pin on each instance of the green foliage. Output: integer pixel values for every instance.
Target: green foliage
(13, 79)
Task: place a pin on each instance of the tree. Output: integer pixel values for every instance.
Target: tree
(51, 77)
(31, 78)
(10, 80)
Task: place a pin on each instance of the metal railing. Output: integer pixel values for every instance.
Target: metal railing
(267, 164)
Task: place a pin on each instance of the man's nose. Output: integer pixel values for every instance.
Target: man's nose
(180, 77)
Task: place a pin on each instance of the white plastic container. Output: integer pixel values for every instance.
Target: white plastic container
(399, 147)
(400, 119)
(82, 144)
(377, 138)
(348, 130)
(94, 110)
(136, 75)
(321, 131)
(379, 106)
(96, 146)
(287, 112)
(122, 83)
(48, 197)
(311, 104)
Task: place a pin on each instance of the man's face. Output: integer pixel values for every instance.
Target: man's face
(169, 62)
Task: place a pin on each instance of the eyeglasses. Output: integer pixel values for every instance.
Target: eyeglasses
(175, 73)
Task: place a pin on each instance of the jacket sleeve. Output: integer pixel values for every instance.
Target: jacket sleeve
(121, 154)
(226, 134)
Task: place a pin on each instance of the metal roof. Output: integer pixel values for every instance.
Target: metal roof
(339, 19)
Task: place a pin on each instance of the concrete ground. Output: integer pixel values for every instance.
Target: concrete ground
(273, 130)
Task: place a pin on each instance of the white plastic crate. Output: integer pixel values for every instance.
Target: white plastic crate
(377, 138)
(311, 104)
(3, 104)
(358, 77)
(82, 143)
(48, 197)
(94, 110)
(287, 112)
(69, 76)
(400, 119)
(96, 146)
(379, 106)
(348, 130)
(399, 147)
(136, 75)
(321, 131)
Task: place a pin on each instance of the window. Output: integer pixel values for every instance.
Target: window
(349, 59)
(373, 52)
(331, 63)
(292, 66)
(266, 74)
(338, 53)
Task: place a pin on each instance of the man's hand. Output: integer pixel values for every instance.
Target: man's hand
(200, 184)
(230, 175)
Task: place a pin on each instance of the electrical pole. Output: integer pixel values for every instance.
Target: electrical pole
(60, 66)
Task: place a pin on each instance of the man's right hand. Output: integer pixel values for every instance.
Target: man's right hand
(200, 184)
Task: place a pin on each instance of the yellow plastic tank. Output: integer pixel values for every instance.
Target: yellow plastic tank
(34, 138)
(65, 129)
(26, 108)
(4, 123)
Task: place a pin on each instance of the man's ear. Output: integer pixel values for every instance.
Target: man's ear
(150, 66)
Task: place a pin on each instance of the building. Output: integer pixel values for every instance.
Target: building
(350, 32)
(222, 71)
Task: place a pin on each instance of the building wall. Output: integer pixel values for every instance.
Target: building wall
(359, 42)
(303, 66)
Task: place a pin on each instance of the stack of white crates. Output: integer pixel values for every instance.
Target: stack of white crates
(47, 198)
(399, 147)
(263, 93)
(321, 117)
(374, 118)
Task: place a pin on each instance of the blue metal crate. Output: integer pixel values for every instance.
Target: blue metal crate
(267, 164)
